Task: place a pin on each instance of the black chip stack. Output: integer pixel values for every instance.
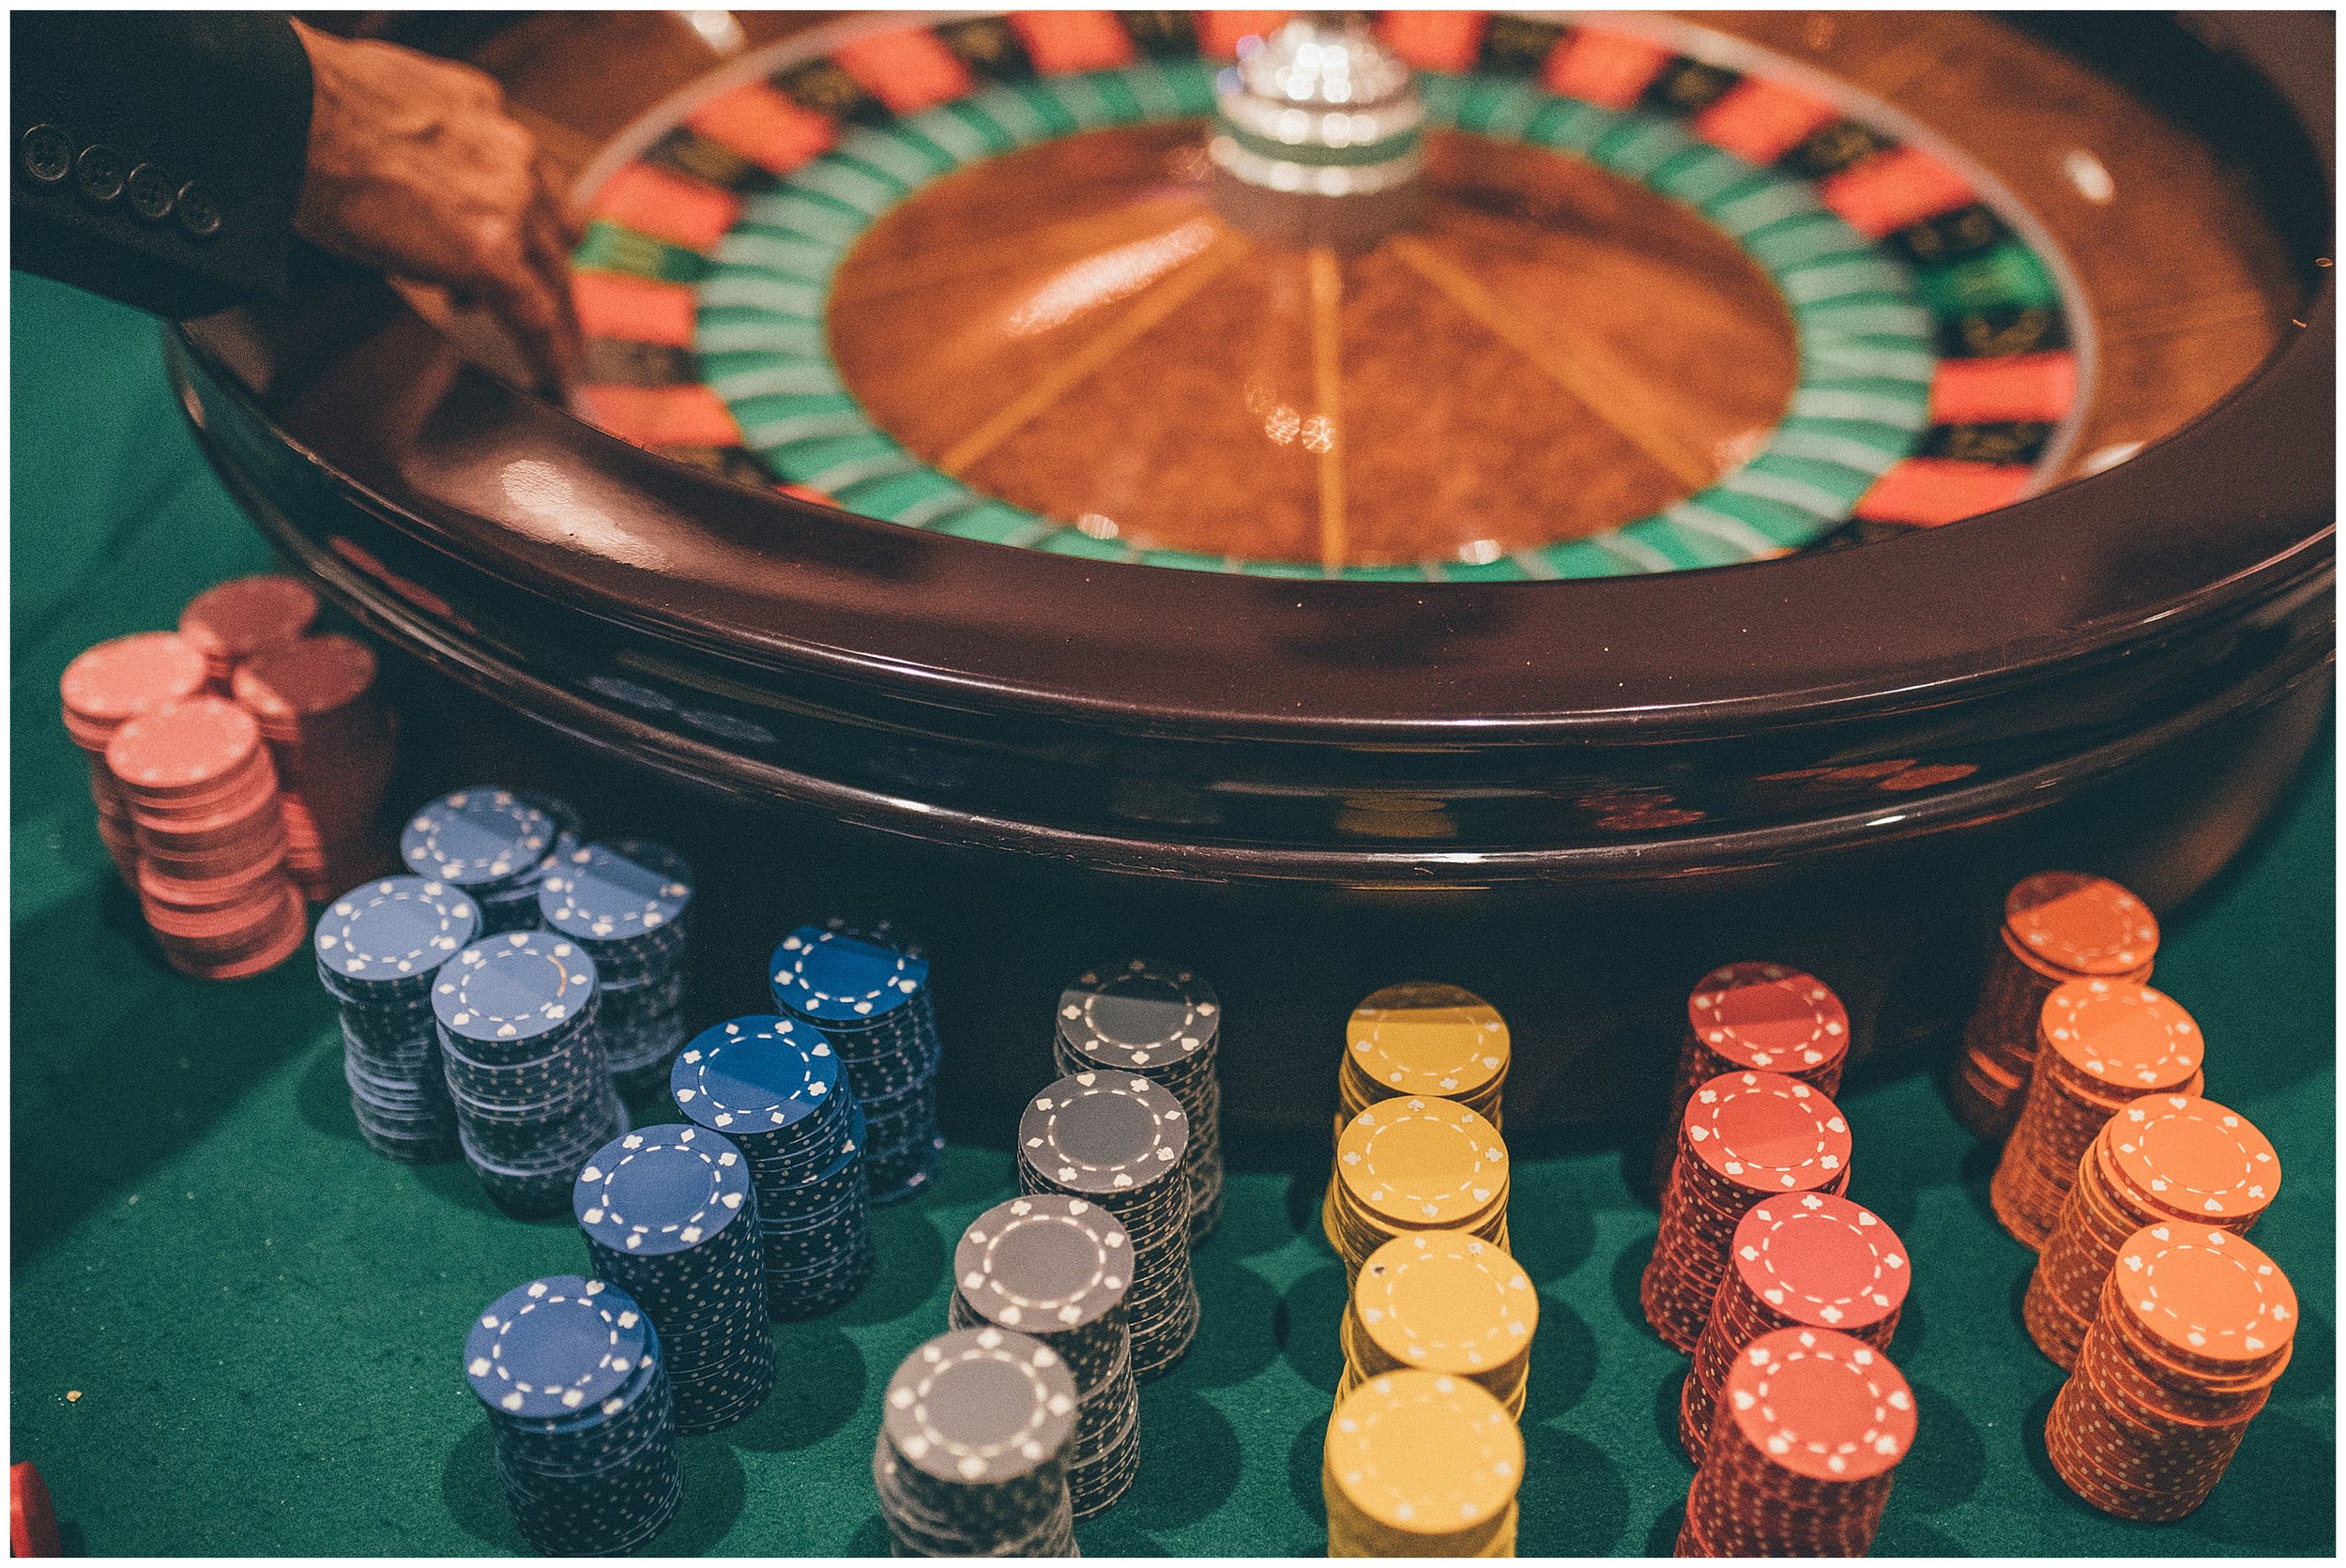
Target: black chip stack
(774, 1086)
(496, 844)
(1057, 1268)
(1165, 1024)
(971, 1461)
(1116, 1139)
(580, 1414)
(378, 949)
(867, 990)
(516, 1015)
(625, 903)
(668, 1217)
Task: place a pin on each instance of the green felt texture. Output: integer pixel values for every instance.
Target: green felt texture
(264, 1320)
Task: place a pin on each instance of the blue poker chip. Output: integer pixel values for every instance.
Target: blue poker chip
(666, 1189)
(758, 1073)
(515, 985)
(478, 837)
(555, 1346)
(399, 929)
(843, 977)
(601, 893)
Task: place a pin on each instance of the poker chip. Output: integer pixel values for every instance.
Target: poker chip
(2102, 1043)
(1815, 1260)
(867, 991)
(1116, 1139)
(2193, 1326)
(776, 1090)
(235, 620)
(2163, 1157)
(977, 1428)
(669, 1215)
(624, 902)
(379, 947)
(498, 844)
(1744, 1137)
(109, 683)
(1811, 1425)
(31, 1519)
(1164, 1022)
(1059, 1270)
(1754, 1016)
(579, 1413)
(2059, 926)
(1445, 1301)
(333, 743)
(1417, 1162)
(1421, 1464)
(1436, 1042)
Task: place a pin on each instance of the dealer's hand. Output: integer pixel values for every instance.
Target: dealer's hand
(416, 168)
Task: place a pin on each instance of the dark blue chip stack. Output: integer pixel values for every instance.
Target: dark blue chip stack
(971, 1461)
(871, 1001)
(378, 947)
(517, 1014)
(774, 1087)
(625, 901)
(669, 1218)
(580, 1412)
(494, 843)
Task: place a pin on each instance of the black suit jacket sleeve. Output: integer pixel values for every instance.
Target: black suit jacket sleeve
(157, 157)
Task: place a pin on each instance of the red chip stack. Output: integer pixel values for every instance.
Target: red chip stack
(103, 687)
(1755, 1017)
(1811, 1428)
(332, 741)
(231, 622)
(2101, 1044)
(1814, 1261)
(201, 794)
(1744, 1137)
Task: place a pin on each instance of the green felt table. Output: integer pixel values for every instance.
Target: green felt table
(234, 1330)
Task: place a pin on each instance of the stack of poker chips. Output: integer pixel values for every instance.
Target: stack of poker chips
(1744, 1137)
(1814, 1261)
(669, 1218)
(1755, 1018)
(2059, 926)
(774, 1087)
(972, 1456)
(1116, 1139)
(516, 1017)
(1445, 1301)
(379, 949)
(870, 999)
(236, 620)
(1421, 1464)
(625, 901)
(108, 684)
(1424, 1039)
(2101, 1044)
(498, 844)
(333, 742)
(2194, 1327)
(202, 797)
(1166, 1025)
(1415, 1163)
(1811, 1425)
(1057, 1269)
(2166, 1157)
(579, 1409)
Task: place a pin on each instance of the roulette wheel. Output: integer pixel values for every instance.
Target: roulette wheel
(1550, 503)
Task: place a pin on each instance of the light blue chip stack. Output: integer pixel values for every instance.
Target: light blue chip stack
(579, 1408)
(517, 1014)
(774, 1087)
(378, 949)
(867, 990)
(496, 844)
(625, 903)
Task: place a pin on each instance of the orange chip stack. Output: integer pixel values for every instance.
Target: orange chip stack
(2194, 1326)
(2059, 926)
(1755, 1017)
(1415, 1163)
(1744, 1137)
(2102, 1045)
(202, 794)
(332, 741)
(231, 622)
(2166, 1157)
(104, 687)
(1445, 1301)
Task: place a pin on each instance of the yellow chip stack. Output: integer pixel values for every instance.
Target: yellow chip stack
(1446, 1302)
(1415, 1163)
(1420, 1463)
(1424, 1039)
